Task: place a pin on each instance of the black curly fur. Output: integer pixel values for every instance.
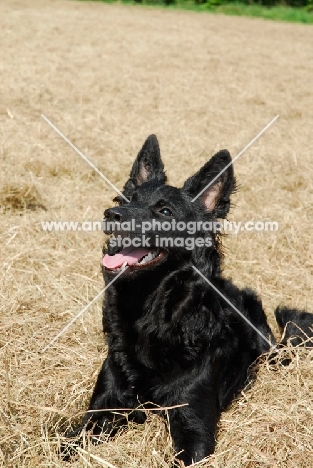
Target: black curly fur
(171, 338)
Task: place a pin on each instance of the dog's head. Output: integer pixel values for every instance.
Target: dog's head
(156, 224)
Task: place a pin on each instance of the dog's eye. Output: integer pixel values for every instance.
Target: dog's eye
(166, 212)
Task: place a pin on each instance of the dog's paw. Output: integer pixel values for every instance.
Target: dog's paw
(69, 448)
(69, 445)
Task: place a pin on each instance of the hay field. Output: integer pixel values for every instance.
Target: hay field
(108, 76)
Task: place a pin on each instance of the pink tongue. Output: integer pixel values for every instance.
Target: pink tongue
(130, 255)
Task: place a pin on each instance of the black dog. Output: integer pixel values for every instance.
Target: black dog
(172, 338)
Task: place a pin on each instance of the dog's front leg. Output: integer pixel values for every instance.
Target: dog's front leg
(193, 431)
(99, 419)
(107, 395)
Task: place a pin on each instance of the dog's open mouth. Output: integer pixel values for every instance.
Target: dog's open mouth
(135, 257)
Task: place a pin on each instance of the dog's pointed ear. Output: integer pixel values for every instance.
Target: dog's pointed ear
(213, 184)
(147, 166)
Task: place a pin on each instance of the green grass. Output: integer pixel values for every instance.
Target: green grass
(281, 13)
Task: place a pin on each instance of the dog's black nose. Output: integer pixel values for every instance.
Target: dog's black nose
(114, 214)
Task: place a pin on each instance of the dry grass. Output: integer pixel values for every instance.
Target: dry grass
(108, 76)
(19, 199)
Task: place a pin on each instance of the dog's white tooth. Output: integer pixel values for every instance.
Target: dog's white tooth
(124, 266)
(149, 257)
